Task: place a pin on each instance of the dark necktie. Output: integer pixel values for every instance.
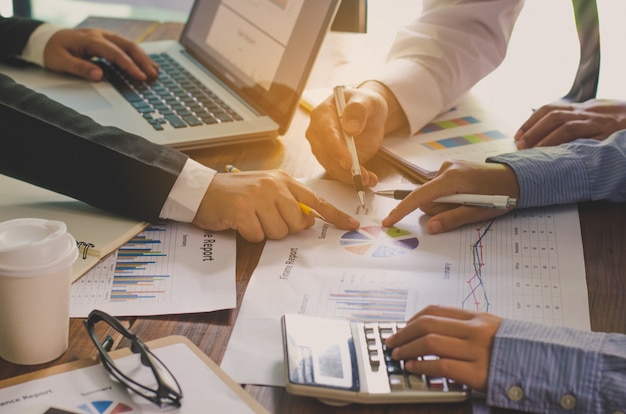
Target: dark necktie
(586, 81)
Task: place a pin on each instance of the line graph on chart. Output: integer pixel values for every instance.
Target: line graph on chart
(509, 266)
(477, 297)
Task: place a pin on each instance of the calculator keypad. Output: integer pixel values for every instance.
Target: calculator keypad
(399, 378)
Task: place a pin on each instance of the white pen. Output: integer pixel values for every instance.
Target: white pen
(474, 200)
(340, 102)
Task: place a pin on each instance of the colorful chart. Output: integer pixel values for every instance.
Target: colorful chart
(368, 304)
(453, 142)
(476, 297)
(142, 268)
(448, 123)
(53, 410)
(106, 407)
(377, 241)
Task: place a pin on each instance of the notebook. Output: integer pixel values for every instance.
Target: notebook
(97, 233)
(473, 130)
(253, 56)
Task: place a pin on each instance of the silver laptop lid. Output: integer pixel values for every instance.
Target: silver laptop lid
(262, 49)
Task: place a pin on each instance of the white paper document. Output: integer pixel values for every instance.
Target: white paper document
(167, 269)
(91, 390)
(470, 131)
(526, 265)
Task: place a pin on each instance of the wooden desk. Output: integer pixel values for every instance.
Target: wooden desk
(603, 226)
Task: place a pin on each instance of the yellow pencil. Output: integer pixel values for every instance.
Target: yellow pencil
(309, 211)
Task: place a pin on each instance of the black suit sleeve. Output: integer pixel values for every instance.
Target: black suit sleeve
(52, 146)
(14, 34)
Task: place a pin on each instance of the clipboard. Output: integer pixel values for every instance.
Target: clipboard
(246, 398)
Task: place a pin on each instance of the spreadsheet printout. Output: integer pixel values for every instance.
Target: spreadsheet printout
(527, 265)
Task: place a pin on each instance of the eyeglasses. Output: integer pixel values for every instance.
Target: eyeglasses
(167, 391)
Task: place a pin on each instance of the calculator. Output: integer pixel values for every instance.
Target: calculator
(342, 362)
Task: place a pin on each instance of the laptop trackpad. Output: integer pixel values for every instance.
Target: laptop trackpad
(79, 96)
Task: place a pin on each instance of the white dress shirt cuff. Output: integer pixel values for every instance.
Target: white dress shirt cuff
(415, 89)
(33, 52)
(187, 192)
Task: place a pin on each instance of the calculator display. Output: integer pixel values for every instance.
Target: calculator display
(322, 357)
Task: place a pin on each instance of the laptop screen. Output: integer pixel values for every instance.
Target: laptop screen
(262, 49)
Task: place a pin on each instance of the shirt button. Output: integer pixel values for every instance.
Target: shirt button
(515, 393)
(568, 402)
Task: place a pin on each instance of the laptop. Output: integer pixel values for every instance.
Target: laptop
(244, 66)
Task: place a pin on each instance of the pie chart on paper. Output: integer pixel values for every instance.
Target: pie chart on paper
(377, 241)
(106, 407)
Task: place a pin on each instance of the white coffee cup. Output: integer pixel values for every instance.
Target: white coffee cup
(36, 258)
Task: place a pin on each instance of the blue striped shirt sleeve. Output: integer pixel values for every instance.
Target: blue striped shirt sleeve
(581, 170)
(547, 369)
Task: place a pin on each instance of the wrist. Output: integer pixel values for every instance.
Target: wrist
(37, 42)
(396, 118)
(505, 181)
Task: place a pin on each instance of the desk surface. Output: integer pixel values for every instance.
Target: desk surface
(602, 225)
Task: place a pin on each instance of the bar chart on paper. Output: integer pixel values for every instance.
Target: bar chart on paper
(466, 132)
(449, 123)
(141, 271)
(384, 304)
(359, 296)
(167, 268)
(476, 137)
(462, 140)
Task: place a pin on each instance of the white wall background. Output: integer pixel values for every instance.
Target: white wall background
(540, 65)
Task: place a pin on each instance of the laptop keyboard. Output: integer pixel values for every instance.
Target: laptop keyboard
(176, 97)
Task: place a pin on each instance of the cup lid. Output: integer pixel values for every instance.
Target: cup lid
(29, 245)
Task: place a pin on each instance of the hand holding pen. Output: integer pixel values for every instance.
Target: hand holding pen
(305, 209)
(269, 197)
(461, 193)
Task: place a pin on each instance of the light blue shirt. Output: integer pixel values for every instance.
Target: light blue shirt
(581, 170)
(548, 369)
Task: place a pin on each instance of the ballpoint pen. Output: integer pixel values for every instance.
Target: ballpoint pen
(474, 200)
(340, 102)
(309, 211)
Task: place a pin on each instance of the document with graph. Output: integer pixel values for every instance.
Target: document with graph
(470, 131)
(526, 265)
(169, 268)
(85, 387)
